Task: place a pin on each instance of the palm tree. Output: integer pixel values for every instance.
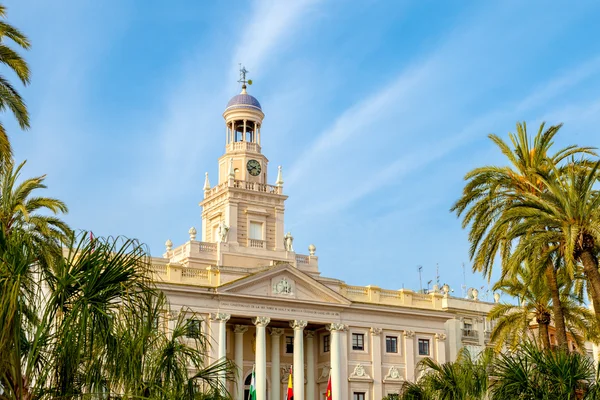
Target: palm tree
(564, 218)
(492, 191)
(9, 96)
(531, 373)
(464, 379)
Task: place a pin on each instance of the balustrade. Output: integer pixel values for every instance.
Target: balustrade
(302, 259)
(244, 146)
(257, 244)
(207, 247)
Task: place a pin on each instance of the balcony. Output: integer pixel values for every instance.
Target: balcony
(243, 146)
(470, 334)
(257, 244)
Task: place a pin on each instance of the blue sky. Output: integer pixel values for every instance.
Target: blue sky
(375, 109)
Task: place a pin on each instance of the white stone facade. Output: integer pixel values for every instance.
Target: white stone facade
(268, 308)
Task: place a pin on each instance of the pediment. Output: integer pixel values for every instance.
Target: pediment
(284, 282)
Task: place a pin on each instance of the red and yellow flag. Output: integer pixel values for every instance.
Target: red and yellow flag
(328, 394)
(290, 389)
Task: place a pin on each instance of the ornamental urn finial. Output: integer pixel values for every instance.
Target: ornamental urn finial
(312, 249)
(169, 245)
(192, 233)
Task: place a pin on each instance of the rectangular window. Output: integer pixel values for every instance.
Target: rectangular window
(391, 344)
(256, 230)
(326, 344)
(289, 345)
(193, 328)
(359, 396)
(423, 347)
(358, 341)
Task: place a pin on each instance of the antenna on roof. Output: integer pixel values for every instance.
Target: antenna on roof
(464, 285)
(420, 281)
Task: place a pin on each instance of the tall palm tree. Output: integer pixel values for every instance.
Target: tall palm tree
(491, 191)
(563, 218)
(9, 96)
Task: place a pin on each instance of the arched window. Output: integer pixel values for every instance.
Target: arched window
(247, 386)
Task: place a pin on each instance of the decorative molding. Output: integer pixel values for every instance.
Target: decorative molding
(359, 374)
(261, 321)
(240, 329)
(393, 375)
(298, 324)
(409, 334)
(309, 334)
(325, 371)
(440, 336)
(277, 331)
(376, 331)
(336, 327)
(222, 317)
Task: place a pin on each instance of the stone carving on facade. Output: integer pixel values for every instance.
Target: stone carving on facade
(393, 375)
(288, 241)
(261, 321)
(336, 327)
(285, 373)
(283, 287)
(359, 374)
(309, 334)
(440, 336)
(376, 331)
(222, 232)
(298, 324)
(325, 371)
(277, 331)
(240, 329)
(409, 334)
(220, 317)
(192, 233)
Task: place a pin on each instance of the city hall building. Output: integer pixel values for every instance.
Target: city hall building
(267, 307)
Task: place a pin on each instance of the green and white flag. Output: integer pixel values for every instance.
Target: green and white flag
(252, 394)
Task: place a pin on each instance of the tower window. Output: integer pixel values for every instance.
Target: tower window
(256, 230)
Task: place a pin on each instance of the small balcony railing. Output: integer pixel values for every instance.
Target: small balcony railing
(257, 244)
(470, 334)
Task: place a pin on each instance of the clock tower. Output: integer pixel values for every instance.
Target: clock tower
(242, 210)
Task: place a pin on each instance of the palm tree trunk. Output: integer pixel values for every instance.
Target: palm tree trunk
(559, 317)
(590, 268)
(543, 334)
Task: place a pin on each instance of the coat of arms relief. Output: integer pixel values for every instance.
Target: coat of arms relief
(283, 287)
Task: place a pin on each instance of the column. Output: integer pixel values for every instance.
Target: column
(258, 134)
(275, 366)
(221, 319)
(298, 369)
(440, 344)
(260, 370)
(376, 349)
(310, 366)
(239, 360)
(244, 135)
(409, 354)
(336, 360)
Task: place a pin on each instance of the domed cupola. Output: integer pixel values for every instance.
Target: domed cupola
(243, 117)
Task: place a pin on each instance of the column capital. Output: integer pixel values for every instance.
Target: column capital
(409, 334)
(336, 327)
(261, 321)
(277, 331)
(298, 324)
(376, 331)
(240, 329)
(220, 317)
(440, 336)
(309, 334)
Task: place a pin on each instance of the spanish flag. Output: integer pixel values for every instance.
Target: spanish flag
(328, 394)
(290, 391)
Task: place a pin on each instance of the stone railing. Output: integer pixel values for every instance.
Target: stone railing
(257, 244)
(402, 297)
(257, 187)
(471, 334)
(176, 273)
(158, 269)
(207, 247)
(243, 146)
(193, 274)
(302, 259)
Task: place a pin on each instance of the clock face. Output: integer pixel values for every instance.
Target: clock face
(253, 167)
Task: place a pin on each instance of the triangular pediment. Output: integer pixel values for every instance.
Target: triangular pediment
(284, 282)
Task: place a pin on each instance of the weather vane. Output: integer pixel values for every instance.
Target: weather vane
(243, 72)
